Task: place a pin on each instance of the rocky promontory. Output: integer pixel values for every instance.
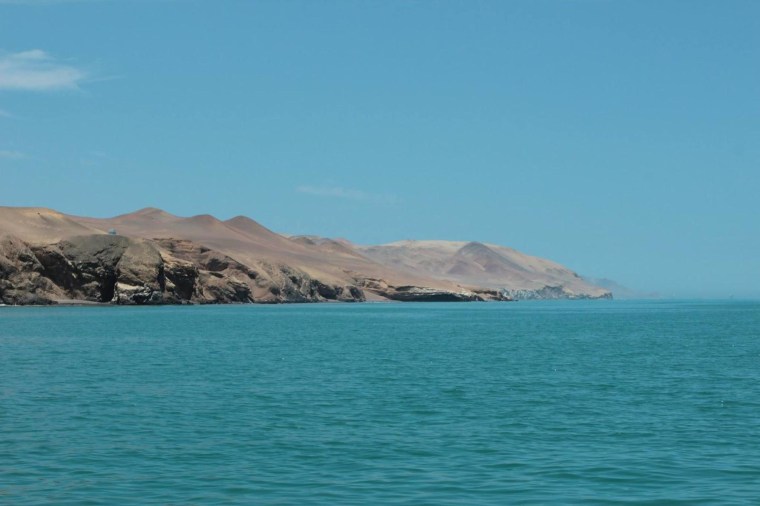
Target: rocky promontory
(122, 270)
(152, 257)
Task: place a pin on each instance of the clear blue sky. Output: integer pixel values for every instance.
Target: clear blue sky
(621, 138)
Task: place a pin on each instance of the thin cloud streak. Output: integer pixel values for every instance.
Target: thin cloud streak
(36, 70)
(340, 192)
(12, 155)
(55, 2)
(42, 2)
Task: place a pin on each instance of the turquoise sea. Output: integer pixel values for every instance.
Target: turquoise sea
(588, 402)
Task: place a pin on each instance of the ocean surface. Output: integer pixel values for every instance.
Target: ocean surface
(588, 402)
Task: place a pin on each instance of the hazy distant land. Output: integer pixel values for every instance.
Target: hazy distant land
(153, 257)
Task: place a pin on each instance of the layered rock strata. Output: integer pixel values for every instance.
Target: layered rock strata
(122, 270)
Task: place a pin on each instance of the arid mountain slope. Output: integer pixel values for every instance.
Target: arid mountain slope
(38, 224)
(152, 256)
(485, 265)
(247, 241)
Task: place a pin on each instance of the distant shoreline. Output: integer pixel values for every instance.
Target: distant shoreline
(152, 257)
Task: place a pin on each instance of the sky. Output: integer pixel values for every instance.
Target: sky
(620, 138)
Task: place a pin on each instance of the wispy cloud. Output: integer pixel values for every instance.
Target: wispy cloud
(5, 114)
(12, 155)
(54, 2)
(36, 70)
(340, 192)
(40, 2)
(333, 191)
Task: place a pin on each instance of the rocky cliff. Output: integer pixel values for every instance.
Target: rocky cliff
(122, 270)
(153, 257)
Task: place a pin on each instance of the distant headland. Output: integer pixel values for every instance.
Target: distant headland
(153, 257)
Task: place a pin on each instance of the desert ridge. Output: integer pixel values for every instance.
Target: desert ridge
(151, 256)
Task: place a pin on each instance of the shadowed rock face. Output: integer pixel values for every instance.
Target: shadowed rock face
(415, 293)
(21, 275)
(102, 268)
(121, 270)
(409, 293)
(201, 274)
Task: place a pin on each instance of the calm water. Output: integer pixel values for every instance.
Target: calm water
(579, 402)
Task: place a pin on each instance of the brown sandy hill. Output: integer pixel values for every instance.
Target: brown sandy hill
(204, 259)
(249, 242)
(38, 224)
(486, 265)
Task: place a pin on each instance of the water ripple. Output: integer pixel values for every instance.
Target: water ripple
(529, 403)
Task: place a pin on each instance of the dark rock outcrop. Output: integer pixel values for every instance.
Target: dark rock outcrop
(104, 268)
(496, 295)
(409, 293)
(422, 294)
(21, 275)
(121, 270)
(197, 273)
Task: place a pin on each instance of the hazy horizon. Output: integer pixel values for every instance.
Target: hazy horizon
(617, 138)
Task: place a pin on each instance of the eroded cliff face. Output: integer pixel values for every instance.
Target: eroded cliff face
(209, 276)
(21, 275)
(121, 270)
(409, 293)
